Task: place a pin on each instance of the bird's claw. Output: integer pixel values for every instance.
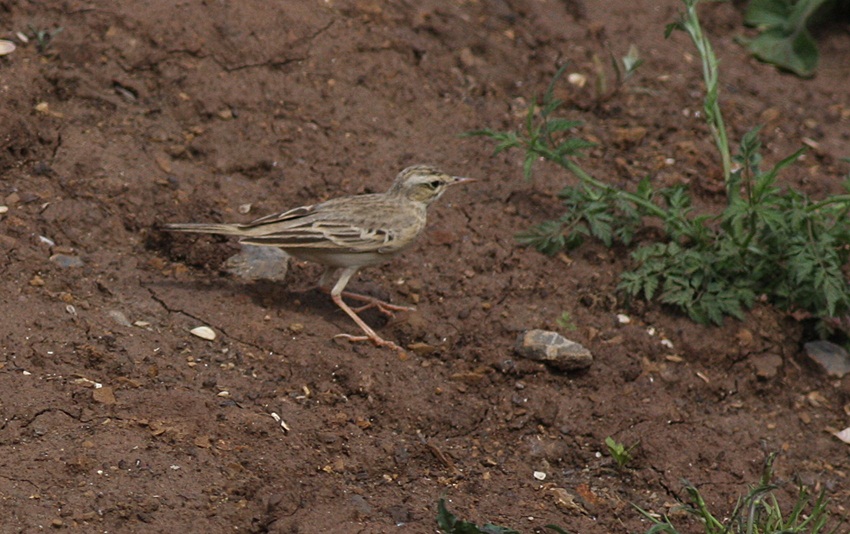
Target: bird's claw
(378, 341)
(371, 302)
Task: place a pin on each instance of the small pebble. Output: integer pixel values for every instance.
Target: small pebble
(104, 395)
(203, 332)
(66, 261)
(623, 318)
(766, 366)
(119, 317)
(577, 79)
(844, 435)
(6, 47)
(553, 349)
(540, 475)
(3, 209)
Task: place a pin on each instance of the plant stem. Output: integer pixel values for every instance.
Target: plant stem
(711, 104)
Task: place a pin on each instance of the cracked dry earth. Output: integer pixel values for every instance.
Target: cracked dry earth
(114, 418)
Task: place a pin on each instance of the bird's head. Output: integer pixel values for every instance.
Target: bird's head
(423, 183)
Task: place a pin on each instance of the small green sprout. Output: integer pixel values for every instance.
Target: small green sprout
(565, 321)
(622, 455)
(43, 37)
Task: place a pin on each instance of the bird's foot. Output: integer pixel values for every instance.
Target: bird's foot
(377, 340)
(371, 302)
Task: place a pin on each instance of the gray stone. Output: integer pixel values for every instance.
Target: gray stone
(66, 261)
(259, 263)
(831, 357)
(553, 349)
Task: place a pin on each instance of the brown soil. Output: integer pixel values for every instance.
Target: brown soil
(142, 113)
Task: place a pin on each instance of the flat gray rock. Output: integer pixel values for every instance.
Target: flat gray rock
(832, 358)
(553, 349)
(66, 261)
(259, 263)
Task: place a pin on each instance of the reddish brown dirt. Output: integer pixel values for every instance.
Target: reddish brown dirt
(149, 112)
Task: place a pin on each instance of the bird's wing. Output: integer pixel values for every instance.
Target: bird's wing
(294, 213)
(316, 228)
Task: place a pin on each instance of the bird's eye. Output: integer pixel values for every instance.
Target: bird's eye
(435, 184)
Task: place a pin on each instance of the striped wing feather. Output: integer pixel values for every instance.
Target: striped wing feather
(310, 227)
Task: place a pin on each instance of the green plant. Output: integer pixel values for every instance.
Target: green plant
(622, 455)
(784, 39)
(449, 524)
(43, 37)
(767, 241)
(565, 321)
(757, 512)
(602, 88)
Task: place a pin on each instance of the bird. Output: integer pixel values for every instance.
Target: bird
(348, 233)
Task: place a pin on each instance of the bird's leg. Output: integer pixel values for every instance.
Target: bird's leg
(336, 295)
(325, 282)
(328, 277)
(371, 302)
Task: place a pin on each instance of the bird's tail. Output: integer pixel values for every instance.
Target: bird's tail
(207, 228)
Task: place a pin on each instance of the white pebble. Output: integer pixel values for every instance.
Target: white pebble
(3, 209)
(540, 475)
(844, 435)
(119, 317)
(623, 318)
(203, 332)
(6, 47)
(577, 79)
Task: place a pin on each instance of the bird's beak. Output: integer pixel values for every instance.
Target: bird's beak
(462, 179)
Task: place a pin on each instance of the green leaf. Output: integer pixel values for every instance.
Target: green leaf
(632, 60)
(561, 125)
(445, 519)
(528, 164)
(573, 146)
(784, 40)
(796, 52)
(548, 96)
(449, 524)
(768, 13)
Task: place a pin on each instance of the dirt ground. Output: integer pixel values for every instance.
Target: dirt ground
(114, 418)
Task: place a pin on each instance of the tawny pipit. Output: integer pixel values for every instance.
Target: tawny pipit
(347, 233)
